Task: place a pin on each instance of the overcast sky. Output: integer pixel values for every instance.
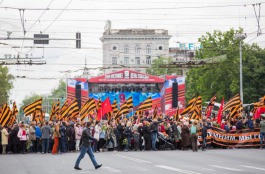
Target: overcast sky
(185, 20)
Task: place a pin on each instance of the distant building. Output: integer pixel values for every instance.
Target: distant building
(132, 48)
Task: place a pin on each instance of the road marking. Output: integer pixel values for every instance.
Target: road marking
(138, 168)
(110, 169)
(227, 168)
(134, 159)
(206, 169)
(252, 167)
(176, 169)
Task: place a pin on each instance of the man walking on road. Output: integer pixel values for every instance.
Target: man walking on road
(86, 147)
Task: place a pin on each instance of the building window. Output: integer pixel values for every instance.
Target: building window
(114, 60)
(114, 48)
(137, 60)
(148, 60)
(137, 50)
(148, 49)
(160, 47)
(126, 61)
(126, 49)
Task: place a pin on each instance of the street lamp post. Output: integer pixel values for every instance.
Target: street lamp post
(240, 37)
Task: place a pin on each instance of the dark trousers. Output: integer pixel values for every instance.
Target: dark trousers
(23, 146)
(136, 146)
(101, 142)
(147, 141)
(33, 147)
(194, 139)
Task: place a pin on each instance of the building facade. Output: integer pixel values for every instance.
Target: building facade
(132, 48)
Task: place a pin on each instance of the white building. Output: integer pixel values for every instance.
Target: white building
(132, 48)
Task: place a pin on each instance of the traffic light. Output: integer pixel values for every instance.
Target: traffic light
(78, 40)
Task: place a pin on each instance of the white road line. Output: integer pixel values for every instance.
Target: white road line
(110, 169)
(134, 159)
(176, 169)
(206, 169)
(142, 169)
(227, 168)
(252, 167)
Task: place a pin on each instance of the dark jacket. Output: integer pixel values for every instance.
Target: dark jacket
(204, 131)
(86, 138)
(154, 126)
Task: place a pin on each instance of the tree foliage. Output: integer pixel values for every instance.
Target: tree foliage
(158, 69)
(223, 78)
(6, 83)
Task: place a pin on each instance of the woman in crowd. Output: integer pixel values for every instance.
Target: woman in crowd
(4, 136)
(78, 133)
(23, 137)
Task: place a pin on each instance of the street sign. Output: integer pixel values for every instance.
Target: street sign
(41, 39)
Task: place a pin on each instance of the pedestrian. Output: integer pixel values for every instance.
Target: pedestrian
(194, 136)
(262, 131)
(86, 147)
(32, 136)
(23, 137)
(4, 140)
(45, 138)
(78, 133)
(56, 137)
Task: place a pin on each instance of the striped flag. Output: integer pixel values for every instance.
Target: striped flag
(52, 114)
(233, 102)
(6, 115)
(155, 113)
(177, 115)
(196, 109)
(210, 106)
(14, 110)
(147, 104)
(114, 107)
(123, 111)
(89, 106)
(64, 107)
(130, 102)
(74, 110)
(191, 103)
(29, 109)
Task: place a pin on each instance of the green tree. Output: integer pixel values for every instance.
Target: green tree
(223, 78)
(60, 91)
(6, 83)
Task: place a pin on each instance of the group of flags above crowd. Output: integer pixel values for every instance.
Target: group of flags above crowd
(91, 108)
(8, 116)
(97, 110)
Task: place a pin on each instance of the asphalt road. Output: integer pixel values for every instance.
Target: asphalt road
(184, 162)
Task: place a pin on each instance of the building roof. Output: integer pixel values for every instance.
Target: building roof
(126, 76)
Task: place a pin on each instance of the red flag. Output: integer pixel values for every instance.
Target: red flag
(105, 108)
(209, 111)
(259, 111)
(219, 117)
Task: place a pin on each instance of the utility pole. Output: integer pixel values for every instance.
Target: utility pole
(240, 37)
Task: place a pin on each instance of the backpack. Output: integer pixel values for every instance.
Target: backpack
(193, 130)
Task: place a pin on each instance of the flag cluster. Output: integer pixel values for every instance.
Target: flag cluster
(8, 116)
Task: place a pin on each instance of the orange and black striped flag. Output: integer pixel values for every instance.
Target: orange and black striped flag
(233, 102)
(196, 109)
(29, 109)
(114, 107)
(123, 111)
(147, 104)
(6, 115)
(89, 106)
(196, 114)
(99, 104)
(177, 115)
(190, 105)
(74, 110)
(64, 107)
(52, 114)
(14, 110)
(129, 102)
(155, 113)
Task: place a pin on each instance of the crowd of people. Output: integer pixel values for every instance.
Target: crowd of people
(126, 135)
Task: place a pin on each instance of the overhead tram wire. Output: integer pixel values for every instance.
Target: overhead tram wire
(132, 9)
(62, 10)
